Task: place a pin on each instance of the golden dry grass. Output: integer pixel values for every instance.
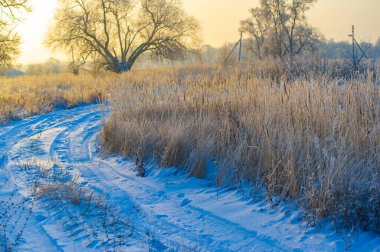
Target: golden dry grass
(315, 141)
(29, 95)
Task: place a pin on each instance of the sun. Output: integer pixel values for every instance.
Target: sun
(33, 29)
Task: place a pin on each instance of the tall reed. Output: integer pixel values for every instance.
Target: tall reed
(316, 141)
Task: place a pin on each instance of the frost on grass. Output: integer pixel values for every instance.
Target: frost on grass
(309, 139)
(29, 95)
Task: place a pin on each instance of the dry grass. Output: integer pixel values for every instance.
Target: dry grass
(29, 95)
(315, 141)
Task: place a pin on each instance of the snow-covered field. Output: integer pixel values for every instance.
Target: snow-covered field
(117, 210)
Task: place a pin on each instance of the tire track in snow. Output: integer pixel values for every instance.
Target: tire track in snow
(185, 229)
(185, 226)
(13, 136)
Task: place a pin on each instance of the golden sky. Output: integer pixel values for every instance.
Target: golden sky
(220, 22)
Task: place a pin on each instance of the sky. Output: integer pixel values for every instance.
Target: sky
(220, 21)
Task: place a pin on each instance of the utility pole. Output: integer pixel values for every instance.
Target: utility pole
(356, 61)
(353, 47)
(241, 42)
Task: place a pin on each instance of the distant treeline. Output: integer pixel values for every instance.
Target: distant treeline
(206, 55)
(341, 50)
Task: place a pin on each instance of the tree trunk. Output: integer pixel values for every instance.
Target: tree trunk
(119, 67)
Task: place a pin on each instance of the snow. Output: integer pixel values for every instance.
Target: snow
(164, 211)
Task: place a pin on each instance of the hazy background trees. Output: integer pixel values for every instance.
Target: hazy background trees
(51, 66)
(120, 31)
(9, 40)
(120, 34)
(279, 28)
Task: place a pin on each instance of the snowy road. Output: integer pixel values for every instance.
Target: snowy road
(165, 211)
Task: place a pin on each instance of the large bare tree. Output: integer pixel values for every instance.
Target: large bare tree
(279, 28)
(120, 31)
(9, 40)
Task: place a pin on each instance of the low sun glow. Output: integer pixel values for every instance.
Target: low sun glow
(220, 20)
(33, 30)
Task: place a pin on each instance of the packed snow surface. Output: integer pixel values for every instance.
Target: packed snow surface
(164, 211)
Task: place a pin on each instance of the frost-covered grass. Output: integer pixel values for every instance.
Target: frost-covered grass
(315, 141)
(29, 95)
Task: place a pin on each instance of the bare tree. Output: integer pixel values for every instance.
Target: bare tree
(257, 27)
(120, 31)
(279, 28)
(9, 40)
